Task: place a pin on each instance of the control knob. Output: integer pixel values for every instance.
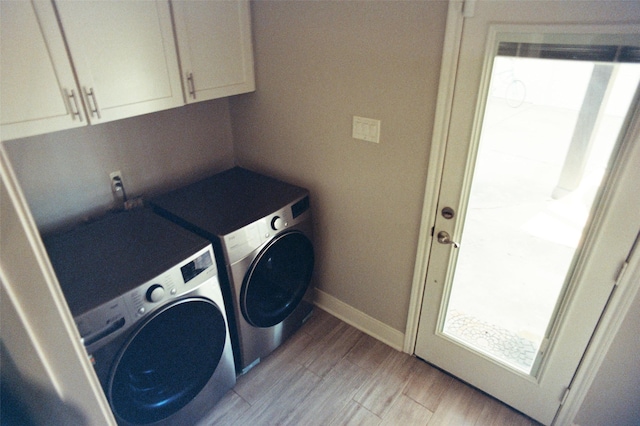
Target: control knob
(277, 223)
(155, 293)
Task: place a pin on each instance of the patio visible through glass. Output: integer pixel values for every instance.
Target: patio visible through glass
(549, 130)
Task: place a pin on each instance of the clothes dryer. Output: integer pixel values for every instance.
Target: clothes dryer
(146, 299)
(261, 232)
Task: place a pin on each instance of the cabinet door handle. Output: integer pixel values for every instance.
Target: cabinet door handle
(91, 101)
(191, 84)
(74, 112)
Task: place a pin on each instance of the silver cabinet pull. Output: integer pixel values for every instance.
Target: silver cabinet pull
(92, 103)
(74, 112)
(191, 84)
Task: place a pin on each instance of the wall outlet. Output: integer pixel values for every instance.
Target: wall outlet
(117, 186)
(366, 129)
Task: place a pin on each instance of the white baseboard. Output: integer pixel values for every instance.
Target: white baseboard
(359, 320)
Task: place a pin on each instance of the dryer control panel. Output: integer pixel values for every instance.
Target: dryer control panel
(240, 243)
(111, 319)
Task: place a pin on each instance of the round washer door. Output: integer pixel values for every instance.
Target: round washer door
(167, 361)
(277, 279)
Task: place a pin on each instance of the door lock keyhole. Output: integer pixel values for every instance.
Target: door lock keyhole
(448, 213)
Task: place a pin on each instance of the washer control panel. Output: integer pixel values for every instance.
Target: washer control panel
(238, 244)
(111, 319)
(155, 293)
(278, 223)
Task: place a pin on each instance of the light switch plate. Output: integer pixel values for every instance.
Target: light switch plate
(366, 129)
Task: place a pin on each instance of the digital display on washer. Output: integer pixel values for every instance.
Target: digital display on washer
(195, 267)
(300, 207)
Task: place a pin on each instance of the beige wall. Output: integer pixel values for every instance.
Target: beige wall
(317, 65)
(65, 175)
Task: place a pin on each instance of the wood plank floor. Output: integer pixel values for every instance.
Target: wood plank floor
(330, 373)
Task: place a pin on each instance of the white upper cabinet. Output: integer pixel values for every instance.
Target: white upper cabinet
(214, 45)
(124, 56)
(38, 92)
(120, 59)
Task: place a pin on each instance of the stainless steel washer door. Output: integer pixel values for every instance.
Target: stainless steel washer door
(277, 279)
(167, 361)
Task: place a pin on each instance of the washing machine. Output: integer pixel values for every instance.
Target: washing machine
(146, 299)
(261, 232)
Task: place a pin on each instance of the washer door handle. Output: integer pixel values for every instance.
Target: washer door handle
(111, 328)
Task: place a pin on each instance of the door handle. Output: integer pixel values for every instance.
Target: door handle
(91, 96)
(191, 84)
(74, 112)
(445, 238)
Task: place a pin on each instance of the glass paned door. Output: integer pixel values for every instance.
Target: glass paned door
(549, 129)
(536, 203)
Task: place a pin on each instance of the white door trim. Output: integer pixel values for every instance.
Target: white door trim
(448, 71)
(51, 363)
(628, 287)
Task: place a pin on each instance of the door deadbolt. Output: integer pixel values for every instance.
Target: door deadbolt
(445, 238)
(448, 213)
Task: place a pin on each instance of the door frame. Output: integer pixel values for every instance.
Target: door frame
(628, 284)
(44, 348)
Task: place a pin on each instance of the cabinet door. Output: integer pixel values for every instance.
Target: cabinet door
(124, 55)
(214, 42)
(38, 92)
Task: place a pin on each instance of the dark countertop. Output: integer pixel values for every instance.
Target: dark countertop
(99, 261)
(227, 201)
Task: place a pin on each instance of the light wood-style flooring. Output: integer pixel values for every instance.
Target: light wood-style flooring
(330, 373)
